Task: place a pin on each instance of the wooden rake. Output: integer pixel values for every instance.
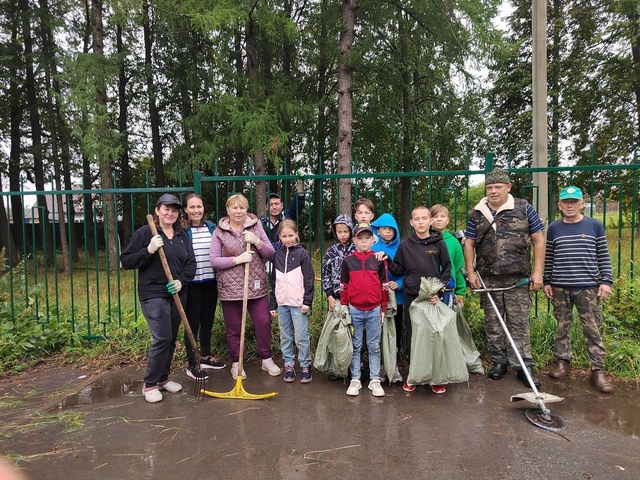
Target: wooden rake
(238, 392)
(200, 385)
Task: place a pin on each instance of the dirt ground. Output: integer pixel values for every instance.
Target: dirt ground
(62, 422)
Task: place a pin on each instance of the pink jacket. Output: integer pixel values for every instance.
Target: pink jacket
(226, 244)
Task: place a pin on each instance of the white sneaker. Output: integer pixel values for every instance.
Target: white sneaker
(397, 378)
(152, 395)
(376, 388)
(169, 386)
(354, 387)
(269, 366)
(234, 371)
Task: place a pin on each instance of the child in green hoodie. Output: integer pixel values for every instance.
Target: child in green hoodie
(439, 223)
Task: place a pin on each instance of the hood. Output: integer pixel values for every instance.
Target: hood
(386, 220)
(345, 219)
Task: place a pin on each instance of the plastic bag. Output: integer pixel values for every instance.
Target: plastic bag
(335, 347)
(469, 349)
(388, 340)
(436, 353)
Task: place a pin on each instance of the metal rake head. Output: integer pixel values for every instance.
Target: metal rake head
(200, 384)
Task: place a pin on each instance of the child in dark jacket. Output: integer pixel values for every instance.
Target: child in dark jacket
(365, 290)
(342, 231)
(292, 287)
(421, 254)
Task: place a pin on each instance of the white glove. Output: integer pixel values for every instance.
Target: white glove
(250, 237)
(244, 257)
(155, 243)
(174, 286)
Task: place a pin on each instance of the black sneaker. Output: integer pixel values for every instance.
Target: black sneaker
(196, 374)
(211, 363)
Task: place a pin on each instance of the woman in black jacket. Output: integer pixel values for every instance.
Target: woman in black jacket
(155, 293)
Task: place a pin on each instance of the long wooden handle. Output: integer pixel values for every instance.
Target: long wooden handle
(245, 301)
(176, 297)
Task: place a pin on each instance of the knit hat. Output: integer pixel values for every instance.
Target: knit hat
(571, 193)
(497, 176)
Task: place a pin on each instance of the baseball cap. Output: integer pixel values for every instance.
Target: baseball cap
(273, 195)
(168, 199)
(362, 227)
(571, 193)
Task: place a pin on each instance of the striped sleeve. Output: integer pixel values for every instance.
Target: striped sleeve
(470, 231)
(535, 224)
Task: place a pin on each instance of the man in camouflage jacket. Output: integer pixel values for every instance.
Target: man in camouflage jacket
(500, 232)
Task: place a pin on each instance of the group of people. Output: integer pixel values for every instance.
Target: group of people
(208, 263)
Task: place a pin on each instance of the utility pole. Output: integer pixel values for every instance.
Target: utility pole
(540, 130)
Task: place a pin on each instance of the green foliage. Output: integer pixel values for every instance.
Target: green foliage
(620, 332)
(25, 338)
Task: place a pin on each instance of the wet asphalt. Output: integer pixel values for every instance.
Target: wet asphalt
(314, 431)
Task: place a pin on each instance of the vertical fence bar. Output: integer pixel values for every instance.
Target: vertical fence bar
(54, 244)
(71, 242)
(25, 253)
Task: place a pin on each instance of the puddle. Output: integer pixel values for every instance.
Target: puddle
(618, 412)
(108, 388)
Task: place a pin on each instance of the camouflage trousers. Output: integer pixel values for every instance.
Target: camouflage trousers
(514, 305)
(590, 312)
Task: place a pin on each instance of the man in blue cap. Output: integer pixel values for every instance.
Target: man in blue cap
(577, 271)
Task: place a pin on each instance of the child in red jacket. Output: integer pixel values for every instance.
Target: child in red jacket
(364, 288)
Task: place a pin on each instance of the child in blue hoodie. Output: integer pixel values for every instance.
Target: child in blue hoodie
(388, 233)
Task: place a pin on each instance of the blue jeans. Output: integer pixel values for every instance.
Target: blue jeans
(294, 326)
(164, 320)
(372, 321)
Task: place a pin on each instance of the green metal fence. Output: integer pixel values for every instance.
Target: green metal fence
(96, 296)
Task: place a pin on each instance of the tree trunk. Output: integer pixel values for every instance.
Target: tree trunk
(345, 103)
(154, 115)
(557, 26)
(11, 256)
(123, 161)
(106, 178)
(252, 74)
(634, 21)
(17, 204)
(87, 179)
(321, 130)
(407, 138)
(49, 53)
(239, 156)
(36, 131)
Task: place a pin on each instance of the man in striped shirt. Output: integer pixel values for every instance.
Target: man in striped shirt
(578, 272)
